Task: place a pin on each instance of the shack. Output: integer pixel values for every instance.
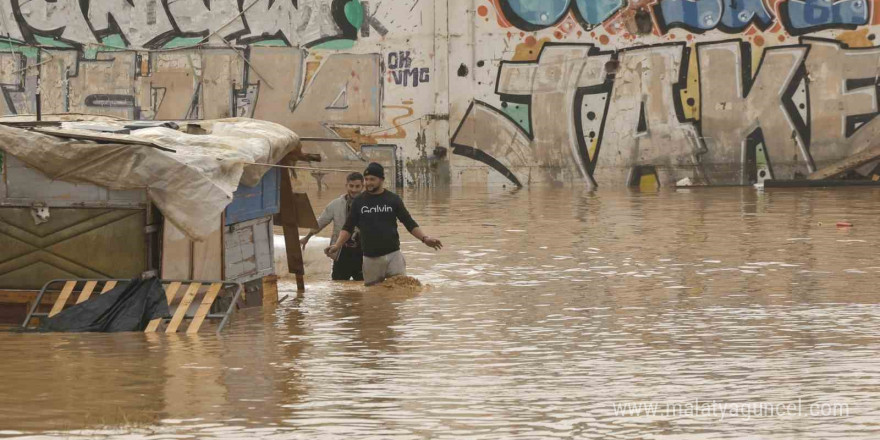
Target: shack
(106, 198)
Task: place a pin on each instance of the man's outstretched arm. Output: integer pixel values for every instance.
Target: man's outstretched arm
(414, 229)
(431, 242)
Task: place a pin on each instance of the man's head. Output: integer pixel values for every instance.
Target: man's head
(354, 184)
(374, 177)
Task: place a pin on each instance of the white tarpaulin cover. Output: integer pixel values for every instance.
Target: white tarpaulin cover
(191, 187)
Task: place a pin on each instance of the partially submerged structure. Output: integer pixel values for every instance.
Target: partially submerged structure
(109, 199)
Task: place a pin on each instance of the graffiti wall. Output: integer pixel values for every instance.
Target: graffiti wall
(346, 69)
(599, 93)
(617, 92)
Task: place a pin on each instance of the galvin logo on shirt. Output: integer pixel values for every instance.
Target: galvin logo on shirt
(374, 209)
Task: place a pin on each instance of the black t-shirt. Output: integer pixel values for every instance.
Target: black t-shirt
(376, 217)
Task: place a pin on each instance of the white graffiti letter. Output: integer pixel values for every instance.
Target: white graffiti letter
(141, 24)
(732, 109)
(194, 17)
(64, 16)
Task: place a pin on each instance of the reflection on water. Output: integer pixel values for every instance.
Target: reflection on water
(545, 309)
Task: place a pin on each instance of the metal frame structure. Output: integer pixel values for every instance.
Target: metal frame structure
(223, 317)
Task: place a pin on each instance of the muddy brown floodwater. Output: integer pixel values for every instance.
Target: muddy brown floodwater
(549, 314)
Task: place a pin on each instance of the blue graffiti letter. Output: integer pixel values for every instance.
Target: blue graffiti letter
(738, 14)
(695, 16)
(532, 15)
(801, 17)
(595, 12)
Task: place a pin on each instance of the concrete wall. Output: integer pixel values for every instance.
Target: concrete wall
(478, 92)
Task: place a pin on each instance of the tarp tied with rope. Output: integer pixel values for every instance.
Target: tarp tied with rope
(190, 177)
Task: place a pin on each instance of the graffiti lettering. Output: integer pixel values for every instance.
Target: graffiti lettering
(309, 22)
(200, 18)
(142, 24)
(747, 119)
(371, 22)
(843, 99)
(399, 60)
(153, 23)
(703, 15)
(803, 16)
(411, 76)
(399, 64)
(62, 19)
(535, 15)
(643, 125)
(595, 12)
(798, 16)
(488, 135)
(736, 105)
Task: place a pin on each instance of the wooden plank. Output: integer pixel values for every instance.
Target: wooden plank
(19, 296)
(108, 286)
(27, 296)
(87, 291)
(773, 183)
(62, 298)
(170, 293)
(29, 124)
(289, 222)
(849, 163)
(181, 308)
(270, 290)
(204, 308)
(102, 139)
(305, 215)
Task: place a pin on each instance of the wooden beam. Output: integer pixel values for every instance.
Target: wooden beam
(270, 290)
(21, 297)
(773, 183)
(324, 139)
(102, 139)
(291, 228)
(847, 164)
(30, 124)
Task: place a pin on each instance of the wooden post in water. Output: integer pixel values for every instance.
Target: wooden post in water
(295, 214)
(291, 228)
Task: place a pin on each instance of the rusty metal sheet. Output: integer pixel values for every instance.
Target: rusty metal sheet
(73, 243)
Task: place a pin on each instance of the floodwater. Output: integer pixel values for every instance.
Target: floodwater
(735, 313)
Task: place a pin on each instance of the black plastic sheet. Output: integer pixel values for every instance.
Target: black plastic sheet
(128, 307)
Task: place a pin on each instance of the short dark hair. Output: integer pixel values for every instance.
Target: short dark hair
(354, 176)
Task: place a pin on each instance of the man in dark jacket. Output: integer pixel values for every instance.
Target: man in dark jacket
(375, 213)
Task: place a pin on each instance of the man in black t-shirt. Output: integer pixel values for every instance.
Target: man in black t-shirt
(375, 213)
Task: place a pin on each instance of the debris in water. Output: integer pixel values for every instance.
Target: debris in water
(401, 281)
(844, 224)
